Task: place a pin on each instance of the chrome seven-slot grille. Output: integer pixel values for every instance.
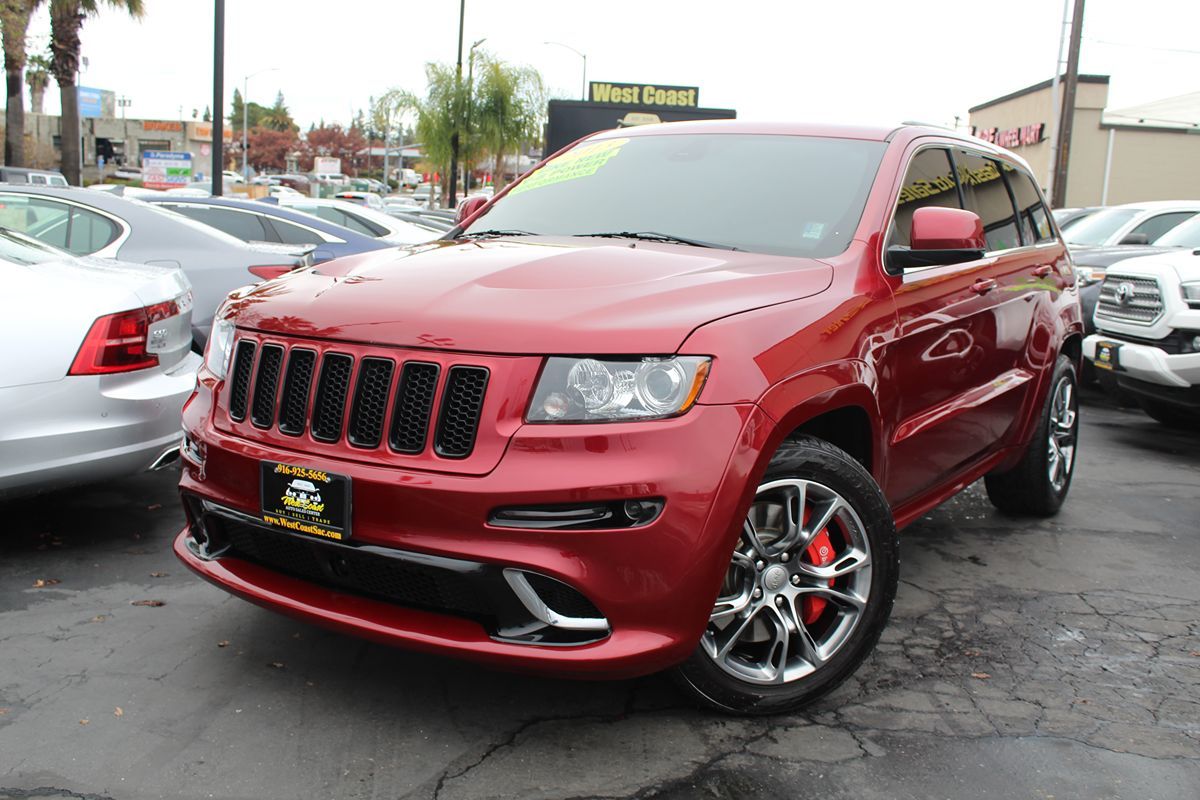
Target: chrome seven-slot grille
(1130, 299)
(356, 401)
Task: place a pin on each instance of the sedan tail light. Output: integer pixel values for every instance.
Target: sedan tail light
(116, 343)
(269, 272)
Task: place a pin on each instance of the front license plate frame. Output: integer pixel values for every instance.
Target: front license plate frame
(305, 500)
(1108, 356)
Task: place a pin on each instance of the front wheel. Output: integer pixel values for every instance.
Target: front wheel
(809, 587)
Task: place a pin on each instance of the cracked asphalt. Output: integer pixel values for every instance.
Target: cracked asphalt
(1025, 659)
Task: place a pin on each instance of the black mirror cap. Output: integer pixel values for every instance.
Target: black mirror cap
(901, 257)
(1136, 238)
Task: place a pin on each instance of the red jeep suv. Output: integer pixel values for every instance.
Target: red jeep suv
(628, 416)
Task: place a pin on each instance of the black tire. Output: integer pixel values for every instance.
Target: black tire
(809, 459)
(1168, 415)
(1027, 489)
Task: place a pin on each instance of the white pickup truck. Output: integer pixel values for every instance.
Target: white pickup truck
(1147, 339)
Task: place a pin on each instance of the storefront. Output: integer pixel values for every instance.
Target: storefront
(1148, 152)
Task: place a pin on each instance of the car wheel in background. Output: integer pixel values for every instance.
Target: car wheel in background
(809, 588)
(1169, 415)
(1038, 484)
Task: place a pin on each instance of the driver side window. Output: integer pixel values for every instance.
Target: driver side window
(929, 181)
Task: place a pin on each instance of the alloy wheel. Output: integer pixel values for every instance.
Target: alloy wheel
(797, 585)
(1061, 437)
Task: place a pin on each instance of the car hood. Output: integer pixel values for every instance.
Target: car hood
(1107, 256)
(539, 295)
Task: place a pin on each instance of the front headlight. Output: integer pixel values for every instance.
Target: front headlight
(220, 346)
(608, 390)
(1086, 276)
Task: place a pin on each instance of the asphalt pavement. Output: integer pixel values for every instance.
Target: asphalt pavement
(1025, 659)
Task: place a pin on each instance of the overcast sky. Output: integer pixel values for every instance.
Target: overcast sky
(840, 60)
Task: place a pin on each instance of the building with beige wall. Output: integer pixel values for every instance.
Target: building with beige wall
(1148, 152)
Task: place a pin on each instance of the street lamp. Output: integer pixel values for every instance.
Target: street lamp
(583, 89)
(245, 118)
(470, 95)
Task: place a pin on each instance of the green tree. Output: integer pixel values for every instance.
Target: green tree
(254, 114)
(66, 20)
(37, 76)
(439, 114)
(278, 118)
(14, 23)
(508, 110)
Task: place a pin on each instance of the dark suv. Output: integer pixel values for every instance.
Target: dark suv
(620, 421)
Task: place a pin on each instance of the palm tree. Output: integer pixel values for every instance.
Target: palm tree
(38, 78)
(14, 22)
(66, 19)
(509, 104)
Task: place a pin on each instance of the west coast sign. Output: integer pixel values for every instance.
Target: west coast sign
(644, 94)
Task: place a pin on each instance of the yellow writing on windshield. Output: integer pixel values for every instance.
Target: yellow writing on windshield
(578, 163)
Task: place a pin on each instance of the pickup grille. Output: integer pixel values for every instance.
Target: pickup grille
(1128, 299)
(370, 401)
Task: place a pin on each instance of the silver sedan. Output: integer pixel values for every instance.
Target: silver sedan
(95, 367)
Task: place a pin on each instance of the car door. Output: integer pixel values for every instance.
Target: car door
(949, 383)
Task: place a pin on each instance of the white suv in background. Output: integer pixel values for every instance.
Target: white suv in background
(1147, 339)
(1132, 223)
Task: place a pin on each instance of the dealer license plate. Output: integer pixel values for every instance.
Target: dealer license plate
(306, 500)
(1107, 355)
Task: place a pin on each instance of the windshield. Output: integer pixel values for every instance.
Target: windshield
(784, 195)
(19, 249)
(1186, 234)
(1098, 228)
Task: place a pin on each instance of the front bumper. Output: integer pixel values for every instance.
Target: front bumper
(83, 429)
(1149, 364)
(653, 585)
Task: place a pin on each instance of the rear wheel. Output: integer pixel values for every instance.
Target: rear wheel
(1038, 484)
(809, 587)
(1168, 415)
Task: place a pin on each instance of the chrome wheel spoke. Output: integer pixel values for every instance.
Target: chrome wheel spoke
(847, 600)
(1060, 445)
(846, 563)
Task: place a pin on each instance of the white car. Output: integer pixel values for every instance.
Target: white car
(96, 366)
(1132, 223)
(1147, 339)
(233, 176)
(361, 219)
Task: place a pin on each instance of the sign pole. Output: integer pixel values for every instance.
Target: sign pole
(218, 141)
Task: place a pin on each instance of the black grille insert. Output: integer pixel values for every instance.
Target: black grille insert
(362, 571)
(370, 401)
(262, 411)
(293, 406)
(239, 385)
(462, 402)
(414, 403)
(330, 404)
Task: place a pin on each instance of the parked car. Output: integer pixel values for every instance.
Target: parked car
(1133, 223)
(1066, 217)
(35, 177)
(409, 178)
(1147, 340)
(401, 202)
(275, 191)
(1091, 263)
(95, 367)
(368, 199)
(367, 221)
(421, 193)
(605, 433)
(252, 221)
(128, 172)
(330, 177)
(233, 176)
(99, 223)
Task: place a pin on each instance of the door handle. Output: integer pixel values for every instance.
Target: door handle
(1043, 270)
(983, 285)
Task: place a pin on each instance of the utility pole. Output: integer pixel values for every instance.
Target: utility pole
(452, 200)
(1063, 156)
(1055, 100)
(218, 126)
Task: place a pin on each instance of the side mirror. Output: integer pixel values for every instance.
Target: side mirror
(468, 207)
(1136, 238)
(940, 236)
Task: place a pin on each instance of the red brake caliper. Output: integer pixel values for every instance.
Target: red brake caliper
(820, 553)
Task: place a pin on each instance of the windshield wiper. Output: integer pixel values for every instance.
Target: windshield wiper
(491, 234)
(655, 236)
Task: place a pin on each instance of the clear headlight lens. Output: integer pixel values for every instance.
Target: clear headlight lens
(606, 390)
(220, 346)
(1191, 293)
